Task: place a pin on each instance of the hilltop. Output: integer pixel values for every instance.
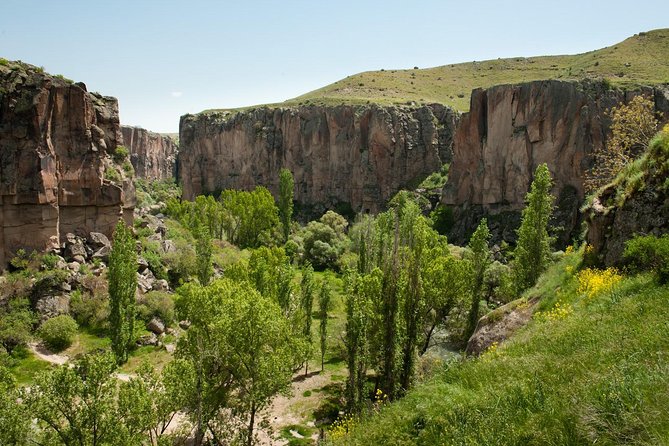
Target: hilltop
(642, 59)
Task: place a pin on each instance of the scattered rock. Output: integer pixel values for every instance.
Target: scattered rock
(143, 284)
(98, 240)
(102, 253)
(168, 246)
(184, 325)
(170, 348)
(161, 285)
(79, 259)
(156, 326)
(74, 266)
(148, 339)
(52, 306)
(74, 247)
(142, 264)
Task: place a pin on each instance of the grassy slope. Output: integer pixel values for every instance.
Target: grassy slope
(597, 375)
(647, 55)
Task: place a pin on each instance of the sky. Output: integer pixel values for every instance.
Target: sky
(164, 58)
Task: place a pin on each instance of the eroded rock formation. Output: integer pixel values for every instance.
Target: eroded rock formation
(509, 131)
(55, 169)
(153, 156)
(638, 206)
(343, 157)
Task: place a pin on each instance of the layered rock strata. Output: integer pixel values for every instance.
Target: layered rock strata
(509, 131)
(349, 158)
(153, 155)
(56, 172)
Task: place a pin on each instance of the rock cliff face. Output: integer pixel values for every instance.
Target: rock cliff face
(509, 131)
(345, 157)
(153, 156)
(55, 141)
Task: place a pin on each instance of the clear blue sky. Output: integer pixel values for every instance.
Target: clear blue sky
(164, 58)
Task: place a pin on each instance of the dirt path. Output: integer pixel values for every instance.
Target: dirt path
(45, 355)
(285, 410)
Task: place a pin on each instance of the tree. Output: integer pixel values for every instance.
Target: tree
(246, 215)
(286, 186)
(16, 321)
(203, 250)
(533, 249)
(151, 400)
(323, 309)
(15, 421)
(271, 274)
(307, 303)
(480, 260)
(633, 126)
(79, 405)
(241, 349)
(122, 286)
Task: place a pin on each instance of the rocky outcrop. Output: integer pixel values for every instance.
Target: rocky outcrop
(636, 205)
(346, 157)
(153, 156)
(509, 131)
(56, 172)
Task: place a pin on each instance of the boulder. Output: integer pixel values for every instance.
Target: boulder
(156, 326)
(97, 240)
(147, 339)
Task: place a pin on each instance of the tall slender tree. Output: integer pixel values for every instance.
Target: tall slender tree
(286, 186)
(533, 250)
(323, 309)
(480, 261)
(122, 286)
(203, 251)
(307, 304)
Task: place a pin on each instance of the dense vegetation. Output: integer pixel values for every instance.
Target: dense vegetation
(253, 303)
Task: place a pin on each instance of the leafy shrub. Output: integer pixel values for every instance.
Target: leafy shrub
(120, 154)
(156, 304)
(649, 253)
(58, 332)
(16, 321)
(49, 261)
(112, 174)
(90, 310)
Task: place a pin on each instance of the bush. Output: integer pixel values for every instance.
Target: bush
(649, 253)
(120, 154)
(58, 332)
(156, 304)
(90, 310)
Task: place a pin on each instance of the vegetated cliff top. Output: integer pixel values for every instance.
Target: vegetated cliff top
(642, 59)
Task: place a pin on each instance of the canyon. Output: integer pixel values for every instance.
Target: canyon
(153, 156)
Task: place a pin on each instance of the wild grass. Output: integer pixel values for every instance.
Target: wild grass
(597, 374)
(638, 60)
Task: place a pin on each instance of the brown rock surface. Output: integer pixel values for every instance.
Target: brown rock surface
(509, 131)
(153, 155)
(357, 156)
(55, 138)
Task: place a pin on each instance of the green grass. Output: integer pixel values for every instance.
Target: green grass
(158, 357)
(26, 366)
(639, 60)
(595, 376)
(87, 341)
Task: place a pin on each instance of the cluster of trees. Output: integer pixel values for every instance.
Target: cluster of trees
(407, 282)
(252, 329)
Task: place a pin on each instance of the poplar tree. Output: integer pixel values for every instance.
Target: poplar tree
(480, 261)
(307, 303)
(323, 309)
(122, 286)
(533, 250)
(286, 186)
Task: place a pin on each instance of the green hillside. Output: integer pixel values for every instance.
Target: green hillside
(591, 368)
(639, 60)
